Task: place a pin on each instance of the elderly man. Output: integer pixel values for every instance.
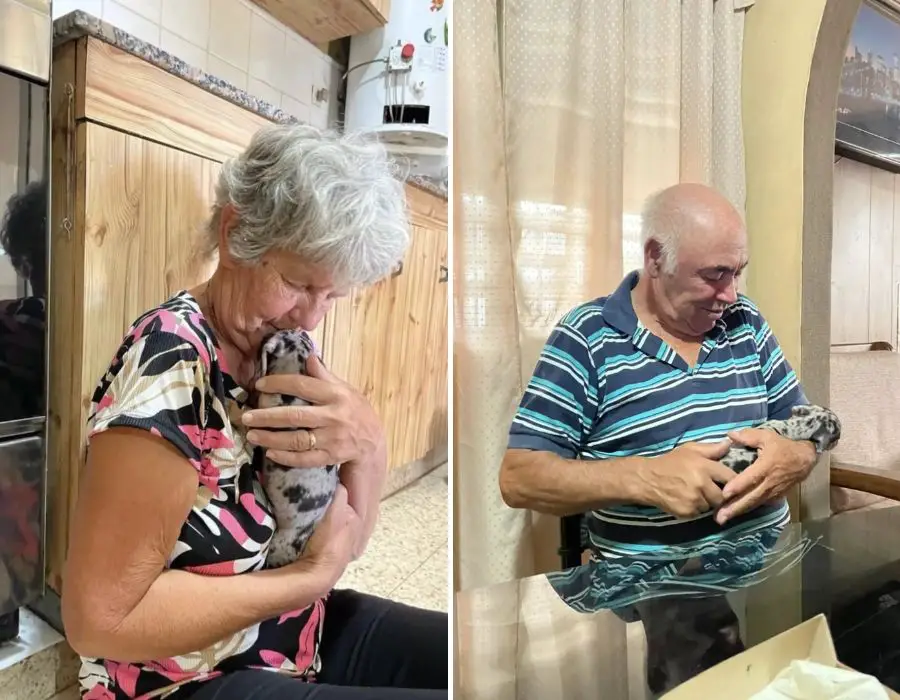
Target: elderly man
(634, 399)
(638, 394)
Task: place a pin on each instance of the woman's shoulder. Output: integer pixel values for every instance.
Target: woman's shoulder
(179, 321)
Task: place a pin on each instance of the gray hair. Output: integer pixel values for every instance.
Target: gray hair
(662, 221)
(335, 200)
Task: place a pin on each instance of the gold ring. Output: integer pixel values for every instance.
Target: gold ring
(312, 440)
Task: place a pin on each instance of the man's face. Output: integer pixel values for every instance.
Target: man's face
(704, 282)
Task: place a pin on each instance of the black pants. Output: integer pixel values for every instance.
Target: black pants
(372, 649)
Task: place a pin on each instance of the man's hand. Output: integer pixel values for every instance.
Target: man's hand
(781, 463)
(686, 481)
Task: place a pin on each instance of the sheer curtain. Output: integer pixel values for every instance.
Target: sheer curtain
(567, 114)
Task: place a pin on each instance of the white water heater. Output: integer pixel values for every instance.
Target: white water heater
(398, 84)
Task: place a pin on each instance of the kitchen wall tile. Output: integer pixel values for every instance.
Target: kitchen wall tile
(264, 91)
(64, 7)
(229, 32)
(295, 107)
(189, 19)
(224, 70)
(149, 9)
(189, 53)
(299, 58)
(128, 21)
(267, 42)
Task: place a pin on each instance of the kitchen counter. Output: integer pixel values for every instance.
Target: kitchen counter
(78, 24)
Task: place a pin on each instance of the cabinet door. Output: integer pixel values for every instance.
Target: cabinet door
(390, 342)
(190, 193)
(415, 373)
(144, 207)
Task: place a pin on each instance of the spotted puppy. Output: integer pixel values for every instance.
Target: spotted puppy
(299, 497)
(814, 423)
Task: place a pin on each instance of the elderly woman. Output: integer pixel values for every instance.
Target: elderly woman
(165, 593)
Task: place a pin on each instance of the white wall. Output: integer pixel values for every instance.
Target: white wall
(234, 40)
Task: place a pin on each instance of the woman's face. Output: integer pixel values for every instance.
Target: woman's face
(289, 293)
(282, 291)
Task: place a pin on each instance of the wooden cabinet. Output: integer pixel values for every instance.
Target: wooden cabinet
(390, 341)
(135, 159)
(321, 21)
(865, 260)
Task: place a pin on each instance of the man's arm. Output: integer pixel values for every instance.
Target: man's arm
(540, 470)
(547, 483)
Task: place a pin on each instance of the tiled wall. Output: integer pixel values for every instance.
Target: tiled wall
(234, 40)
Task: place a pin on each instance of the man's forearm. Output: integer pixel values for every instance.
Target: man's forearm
(547, 483)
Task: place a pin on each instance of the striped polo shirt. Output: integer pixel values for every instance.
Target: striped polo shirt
(606, 387)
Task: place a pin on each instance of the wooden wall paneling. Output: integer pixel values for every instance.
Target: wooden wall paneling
(128, 93)
(850, 253)
(66, 317)
(882, 293)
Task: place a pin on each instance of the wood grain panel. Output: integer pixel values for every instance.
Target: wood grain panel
(321, 21)
(128, 93)
(882, 294)
(190, 182)
(850, 253)
(425, 209)
(390, 342)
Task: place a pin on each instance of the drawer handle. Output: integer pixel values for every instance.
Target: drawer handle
(444, 273)
(398, 270)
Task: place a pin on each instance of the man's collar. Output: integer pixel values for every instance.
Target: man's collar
(618, 311)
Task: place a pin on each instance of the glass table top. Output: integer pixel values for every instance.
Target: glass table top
(634, 640)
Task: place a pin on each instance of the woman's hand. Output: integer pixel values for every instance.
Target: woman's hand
(333, 543)
(340, 427)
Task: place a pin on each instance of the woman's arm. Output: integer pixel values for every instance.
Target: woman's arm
(364, 479)
(118, 600)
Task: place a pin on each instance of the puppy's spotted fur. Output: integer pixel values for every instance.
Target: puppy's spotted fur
(299, 497)
(814, 423)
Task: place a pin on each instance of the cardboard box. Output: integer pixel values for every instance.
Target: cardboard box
(751, 671)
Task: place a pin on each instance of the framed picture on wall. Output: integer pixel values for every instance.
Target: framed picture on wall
(868, 111)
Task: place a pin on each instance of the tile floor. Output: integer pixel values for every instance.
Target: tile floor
(407, 560)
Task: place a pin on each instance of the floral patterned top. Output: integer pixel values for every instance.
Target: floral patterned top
(170, 378)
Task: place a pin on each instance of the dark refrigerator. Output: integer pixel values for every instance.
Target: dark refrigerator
(25, 52)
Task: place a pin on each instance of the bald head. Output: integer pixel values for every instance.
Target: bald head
(695, 250)
(687, 215)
